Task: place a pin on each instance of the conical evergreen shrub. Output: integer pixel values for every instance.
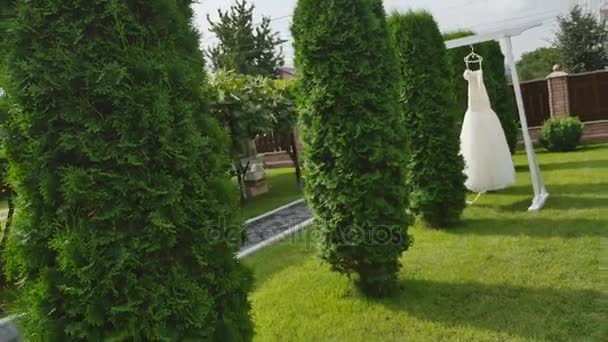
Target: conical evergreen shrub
(125, 229)
(500, 91)
(354, 138)
(435, 170)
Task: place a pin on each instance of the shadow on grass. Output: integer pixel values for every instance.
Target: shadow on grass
(555, 201)
(531, 313)
(533, 226)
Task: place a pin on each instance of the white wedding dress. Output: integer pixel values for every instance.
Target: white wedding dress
(483, 145)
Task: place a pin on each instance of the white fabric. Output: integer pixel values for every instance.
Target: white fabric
(483, 145)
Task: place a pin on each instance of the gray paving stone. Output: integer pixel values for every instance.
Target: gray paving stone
(8, 331)
(276, 223)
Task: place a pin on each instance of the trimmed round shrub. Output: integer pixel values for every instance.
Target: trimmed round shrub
(435, 169)
(353, 136)
(561, 134)
(126, 228)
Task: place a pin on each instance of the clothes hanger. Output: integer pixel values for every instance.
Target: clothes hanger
(473, 58)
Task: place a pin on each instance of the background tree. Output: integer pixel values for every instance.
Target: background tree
(456, 65)
(250, 106)
(500, 90)
(435, 169)
(242, 104)
(538, 64)
(354, 138)
(284, 107)
(126, 229)
(495, 78)
(245, 47)
(582, 40)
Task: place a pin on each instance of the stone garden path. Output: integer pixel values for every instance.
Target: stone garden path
(261, 230)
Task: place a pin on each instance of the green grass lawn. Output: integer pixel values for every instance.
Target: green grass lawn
(503, 274)
(283, 190)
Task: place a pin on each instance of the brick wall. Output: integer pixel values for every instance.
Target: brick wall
(593, 132)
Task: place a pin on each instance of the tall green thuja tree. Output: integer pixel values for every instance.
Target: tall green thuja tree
(126, 229)
(6, 12)
(354, 138)
(500, 91)
(456, 70)
(435, 169)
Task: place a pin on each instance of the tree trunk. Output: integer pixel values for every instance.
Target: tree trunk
(5, 235)
(293, 153)
(240, 176)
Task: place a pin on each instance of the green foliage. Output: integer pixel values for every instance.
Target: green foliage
(581, 41)
(283, 101)
(6, 12)
(249, 106)
(538, 64)
(243, 104)
(245, 47)
(456, 70)
(500, 91)
(497, 84)
(561, 134)
(126, 225)
(435, 178)
(354, 138)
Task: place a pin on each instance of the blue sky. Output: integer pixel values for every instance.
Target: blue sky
(478, 15)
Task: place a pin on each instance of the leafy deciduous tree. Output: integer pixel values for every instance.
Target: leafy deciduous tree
(582, 41)
(250, 106)
(242, 105)
(538, 64)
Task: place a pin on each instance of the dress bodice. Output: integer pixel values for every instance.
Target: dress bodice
(478, 95)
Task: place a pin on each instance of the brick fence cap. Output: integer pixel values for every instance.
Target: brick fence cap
(557, 72)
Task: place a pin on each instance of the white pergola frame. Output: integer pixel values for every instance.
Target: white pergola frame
(504, 36)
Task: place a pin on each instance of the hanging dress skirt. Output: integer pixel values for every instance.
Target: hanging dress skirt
(483, 145)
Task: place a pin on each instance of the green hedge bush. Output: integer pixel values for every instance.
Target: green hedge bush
(354, 139)
(561, 134)
(435, 170)
(126, 213)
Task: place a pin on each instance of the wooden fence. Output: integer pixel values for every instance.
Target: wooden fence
(536, 102)
(588, 94)
(273, 142)
(587, 98)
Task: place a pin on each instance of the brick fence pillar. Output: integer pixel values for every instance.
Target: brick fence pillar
(559, 101)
